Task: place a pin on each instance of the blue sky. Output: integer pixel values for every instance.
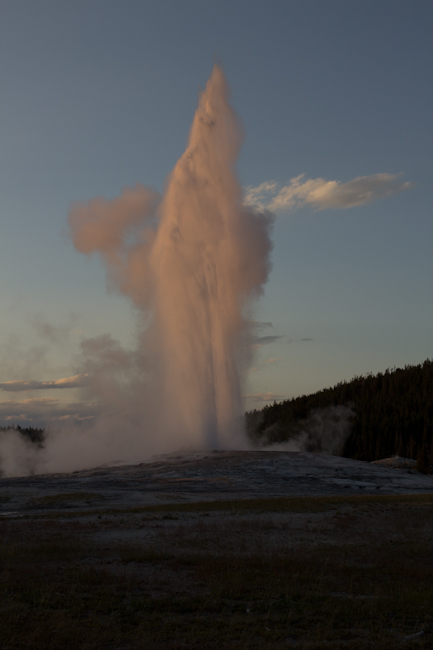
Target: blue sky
(99, 95)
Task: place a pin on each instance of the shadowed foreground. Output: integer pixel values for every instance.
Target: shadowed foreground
(80, 570)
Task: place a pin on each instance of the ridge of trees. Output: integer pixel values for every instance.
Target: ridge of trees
(34, 435)
(393, 415)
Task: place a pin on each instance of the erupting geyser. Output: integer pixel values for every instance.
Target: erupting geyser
(192, 259)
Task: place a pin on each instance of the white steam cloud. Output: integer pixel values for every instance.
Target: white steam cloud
(194, 261)
(321, 194)
(323, 431)
(191, 261)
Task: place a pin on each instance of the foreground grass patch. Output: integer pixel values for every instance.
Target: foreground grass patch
(292, 504)
(62, 588)
(64, 499)
(235, 506)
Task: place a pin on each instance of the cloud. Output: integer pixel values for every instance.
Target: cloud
(32, 401)
(45, 411)
(266, 362)
(53, 333)
(263, 340)
(77, 381)
(264, 397)
(111, 384)
(27, 410)
(257, 340)
(259, 325)
(17, 362)
(322, 194)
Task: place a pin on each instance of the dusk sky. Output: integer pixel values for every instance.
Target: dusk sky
(336, 102)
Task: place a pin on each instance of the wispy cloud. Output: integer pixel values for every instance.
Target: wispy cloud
(264, 397)
(109, 379)
(27, 410)
(32, 401)
(261, 325)
(263, 340)
(258, 339)
(17, 362)
(53, 333)
(266, 362)
(45, 411)
(322, 194)
(77, 381)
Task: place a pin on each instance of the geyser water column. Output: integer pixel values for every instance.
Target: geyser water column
(209, 257)
(198, 260)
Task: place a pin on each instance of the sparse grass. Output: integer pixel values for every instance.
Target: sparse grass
(63, 587)
(235, 506)
(290, 504)
(64, 498)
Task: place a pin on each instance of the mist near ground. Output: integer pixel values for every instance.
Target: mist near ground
(323, 431)
(69, 449)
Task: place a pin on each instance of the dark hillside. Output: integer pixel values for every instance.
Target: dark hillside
(393, 415)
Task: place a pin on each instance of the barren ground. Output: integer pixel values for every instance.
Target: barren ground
(218, 550)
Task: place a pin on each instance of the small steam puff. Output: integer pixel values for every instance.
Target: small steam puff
(323, 431)
(191, 261)
(19, 457)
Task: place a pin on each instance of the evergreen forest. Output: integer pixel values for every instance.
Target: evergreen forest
(392, 415)
(30, 434)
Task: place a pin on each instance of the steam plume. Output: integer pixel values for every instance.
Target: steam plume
(193, 259)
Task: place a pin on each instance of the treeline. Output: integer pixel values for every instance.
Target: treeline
(29, 433)
(393, 415)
